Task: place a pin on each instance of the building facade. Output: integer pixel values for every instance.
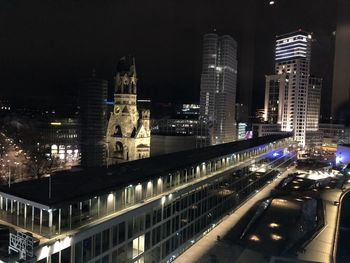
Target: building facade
(132, 214)
(128, 133)
(334, 134)
(275, 88)
(265, 129)
(218, 86)
(93, 116)
(172, 135)
(292, 57)
(292, 97)
(313, 104)
(62, 138)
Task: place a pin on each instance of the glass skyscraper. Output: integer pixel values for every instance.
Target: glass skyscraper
(218, 86)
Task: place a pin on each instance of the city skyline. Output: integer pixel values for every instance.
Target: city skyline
(149, 131)
(49, 67)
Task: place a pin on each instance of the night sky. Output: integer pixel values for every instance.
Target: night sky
(46, 46)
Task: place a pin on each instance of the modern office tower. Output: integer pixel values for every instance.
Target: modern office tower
(341, 76)
(313, 104)
(128, 133)
(93, 114)
(218, 86)
(275, 88)
(292, 57)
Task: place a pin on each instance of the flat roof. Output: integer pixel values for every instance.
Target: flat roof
(82, 184)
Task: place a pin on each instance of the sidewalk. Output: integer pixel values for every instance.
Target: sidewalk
(207, 242)
(320, 249)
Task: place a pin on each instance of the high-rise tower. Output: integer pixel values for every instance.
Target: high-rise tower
(93, 116)
(313, 104)
(292, 97)
(218, 86)
(128, 134)
(292, 60)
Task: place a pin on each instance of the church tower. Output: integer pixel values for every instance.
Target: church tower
(128, 133)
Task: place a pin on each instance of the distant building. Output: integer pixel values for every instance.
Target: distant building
(218, 86)
(241, 112)
(275, 88)
(292, 57)
(128, 133)
(334, 134)
(93, 115)
(172, 135)
(313, 104)
(242, 131)
(187, 110)
(61, 138)
(265, 129)
(292, 97)
(343, 154)
(260, 115)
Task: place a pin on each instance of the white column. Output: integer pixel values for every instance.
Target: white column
(50, 221)
(25, 215)
(98, 206)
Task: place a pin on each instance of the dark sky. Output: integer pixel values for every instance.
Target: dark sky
(46, 46)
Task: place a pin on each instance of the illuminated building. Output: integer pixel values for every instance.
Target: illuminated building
(190, 111)
(128, 133)
(61, 137)
(292, 57)
(343, 154)
(147, 210)
(292, 97)
(218, 86)
(334, 134)
(93, 111)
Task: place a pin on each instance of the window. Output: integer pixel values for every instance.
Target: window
(138, 246)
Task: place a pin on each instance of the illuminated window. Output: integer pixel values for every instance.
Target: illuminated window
(138, 246)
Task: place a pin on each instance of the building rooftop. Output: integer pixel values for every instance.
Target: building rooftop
(297, 32)
(81, 184)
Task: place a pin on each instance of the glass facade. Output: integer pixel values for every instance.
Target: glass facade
(168, 212)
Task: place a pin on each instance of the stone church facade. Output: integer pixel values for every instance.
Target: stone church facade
(128, 132)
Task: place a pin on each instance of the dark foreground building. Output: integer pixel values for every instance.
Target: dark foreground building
(148, 210)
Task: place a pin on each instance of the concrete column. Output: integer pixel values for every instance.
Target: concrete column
(59, 221)
(41, 220)
(33, 217)
(70, 217)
